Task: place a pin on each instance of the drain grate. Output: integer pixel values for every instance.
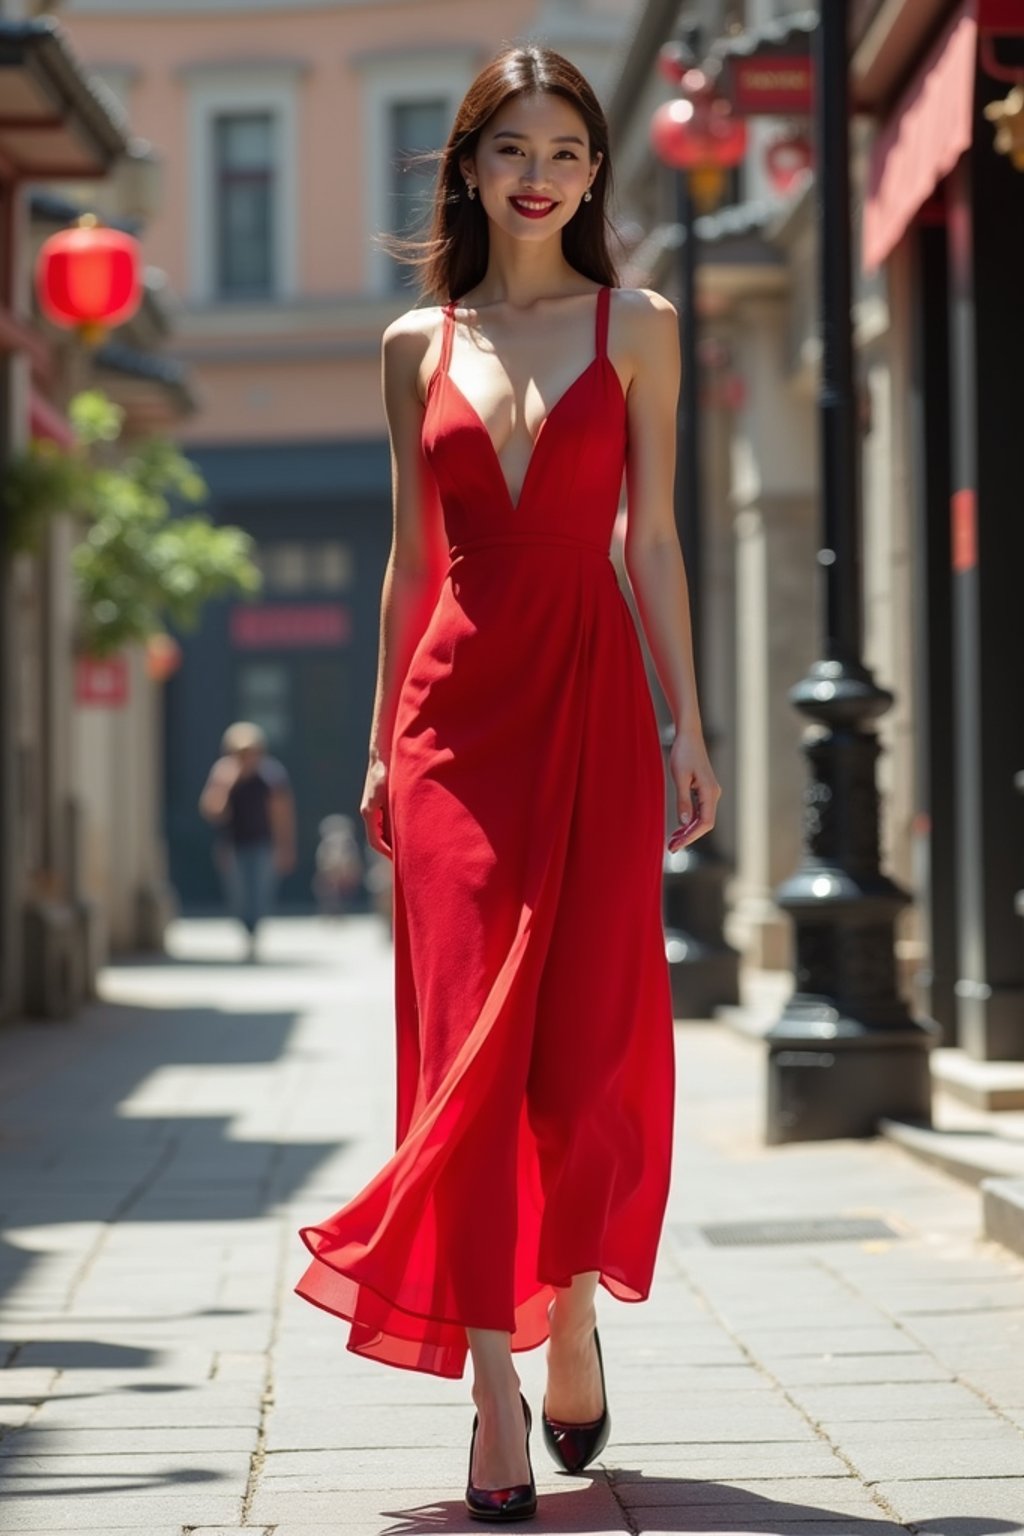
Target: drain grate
(814, 1229)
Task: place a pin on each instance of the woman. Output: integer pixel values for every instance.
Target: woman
(516, 777)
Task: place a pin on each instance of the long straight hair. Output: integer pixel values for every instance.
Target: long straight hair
(452, 256)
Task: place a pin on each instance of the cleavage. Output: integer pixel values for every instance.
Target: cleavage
(486, 406)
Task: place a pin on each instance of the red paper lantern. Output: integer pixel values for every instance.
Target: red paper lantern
(689, 136)
(673, 62)
(163, 657)
(90, 277)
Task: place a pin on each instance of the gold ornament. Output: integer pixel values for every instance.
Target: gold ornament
(1008, 117)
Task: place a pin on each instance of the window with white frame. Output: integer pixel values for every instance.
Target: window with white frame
(416, 127)
(242, 183)
(409, 101)
(244, 173)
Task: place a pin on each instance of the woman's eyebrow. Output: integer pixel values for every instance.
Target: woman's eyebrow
(562, 138)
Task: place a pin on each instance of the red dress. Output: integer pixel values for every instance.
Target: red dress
(526, 803)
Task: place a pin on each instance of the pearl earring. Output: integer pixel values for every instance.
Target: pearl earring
(587, 195)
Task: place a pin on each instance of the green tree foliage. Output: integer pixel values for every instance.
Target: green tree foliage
(138, 565)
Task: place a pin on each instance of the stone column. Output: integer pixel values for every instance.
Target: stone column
(773, 490)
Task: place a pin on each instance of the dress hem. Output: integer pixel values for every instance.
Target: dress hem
(627, 1293)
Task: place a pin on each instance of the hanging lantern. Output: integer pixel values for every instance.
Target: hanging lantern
(673, 62)
(89, 277)
(701, 136)
(163, 657)
(786, 159)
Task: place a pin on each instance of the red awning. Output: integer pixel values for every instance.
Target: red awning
(923, 139)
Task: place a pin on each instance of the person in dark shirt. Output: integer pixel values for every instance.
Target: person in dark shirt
(248, 798)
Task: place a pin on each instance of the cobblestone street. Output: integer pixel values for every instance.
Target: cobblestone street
(158, 1154)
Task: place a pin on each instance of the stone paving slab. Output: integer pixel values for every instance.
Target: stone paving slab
(824, 1498)
(959, 1506)
(129, 1440)
(583, 1506)
(75, 1511)
(685, 1519)
(739, 1459)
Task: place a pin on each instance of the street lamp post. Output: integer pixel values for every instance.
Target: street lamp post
(697, 140)
(845, 1052)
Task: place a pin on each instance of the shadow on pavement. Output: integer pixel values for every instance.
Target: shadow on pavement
(83, 1144)
(666, 1504)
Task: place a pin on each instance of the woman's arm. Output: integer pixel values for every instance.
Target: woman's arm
(213, 802)
(654, 560)
(411, 565)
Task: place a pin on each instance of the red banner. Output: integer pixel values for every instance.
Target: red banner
(290, 626)
(964, 508)
(771, 85)
(102, 682)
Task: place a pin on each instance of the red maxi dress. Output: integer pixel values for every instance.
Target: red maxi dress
(526, 802)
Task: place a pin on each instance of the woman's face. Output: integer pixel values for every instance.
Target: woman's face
(532, 165)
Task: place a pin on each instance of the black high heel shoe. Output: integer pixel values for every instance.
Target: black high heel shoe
(516, 1503)
(574, 1446)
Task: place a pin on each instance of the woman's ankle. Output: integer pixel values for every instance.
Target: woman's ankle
(572, 1320)
(495, 1391)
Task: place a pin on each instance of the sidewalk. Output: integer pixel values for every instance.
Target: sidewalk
(157, 1156)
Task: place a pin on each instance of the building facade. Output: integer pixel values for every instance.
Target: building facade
(81, 851)
(285, 131)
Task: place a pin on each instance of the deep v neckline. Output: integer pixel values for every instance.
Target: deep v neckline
(600, 356)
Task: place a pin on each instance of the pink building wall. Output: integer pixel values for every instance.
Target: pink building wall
(254, 364)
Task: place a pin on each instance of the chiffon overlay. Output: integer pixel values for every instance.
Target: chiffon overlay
(526, 811)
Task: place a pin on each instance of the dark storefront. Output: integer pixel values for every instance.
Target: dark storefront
(938, 181)
(300, 660)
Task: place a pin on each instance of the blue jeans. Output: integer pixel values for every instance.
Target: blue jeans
(249, 881)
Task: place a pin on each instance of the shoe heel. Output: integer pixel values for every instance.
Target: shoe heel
(502, 1504)
(573, 1446)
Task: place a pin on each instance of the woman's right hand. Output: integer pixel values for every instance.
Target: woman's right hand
(374, 804)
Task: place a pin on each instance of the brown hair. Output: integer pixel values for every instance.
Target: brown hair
(452, 257)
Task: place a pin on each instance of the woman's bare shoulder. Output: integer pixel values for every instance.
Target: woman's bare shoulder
(645, 333)
(406, 343)
(414, 325)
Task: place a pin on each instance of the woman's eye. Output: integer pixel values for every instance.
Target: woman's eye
(516, 150)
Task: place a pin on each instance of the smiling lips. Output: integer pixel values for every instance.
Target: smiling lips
(532, 207)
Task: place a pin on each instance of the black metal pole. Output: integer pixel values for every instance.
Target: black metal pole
(704, 971)
(837, 420)
(688, 481)
(845, 1052)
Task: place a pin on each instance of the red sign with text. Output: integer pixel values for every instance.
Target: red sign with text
(769, 85)
(103, 682)
(290, 626)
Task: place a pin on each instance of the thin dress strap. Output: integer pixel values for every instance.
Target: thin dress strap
(446, 337)
(603, 300)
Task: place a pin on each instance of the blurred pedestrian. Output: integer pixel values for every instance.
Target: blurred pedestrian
(248, 798)
(339, 866)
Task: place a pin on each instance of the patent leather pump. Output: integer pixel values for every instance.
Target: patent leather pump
(574, 1446)
(516, 1503)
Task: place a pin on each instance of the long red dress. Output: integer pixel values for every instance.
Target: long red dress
(526, 803)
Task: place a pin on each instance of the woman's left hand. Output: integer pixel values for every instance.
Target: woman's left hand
(697, 789)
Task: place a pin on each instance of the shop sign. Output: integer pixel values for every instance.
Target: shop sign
(102, 681)
(290, 626)
(771, 85)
